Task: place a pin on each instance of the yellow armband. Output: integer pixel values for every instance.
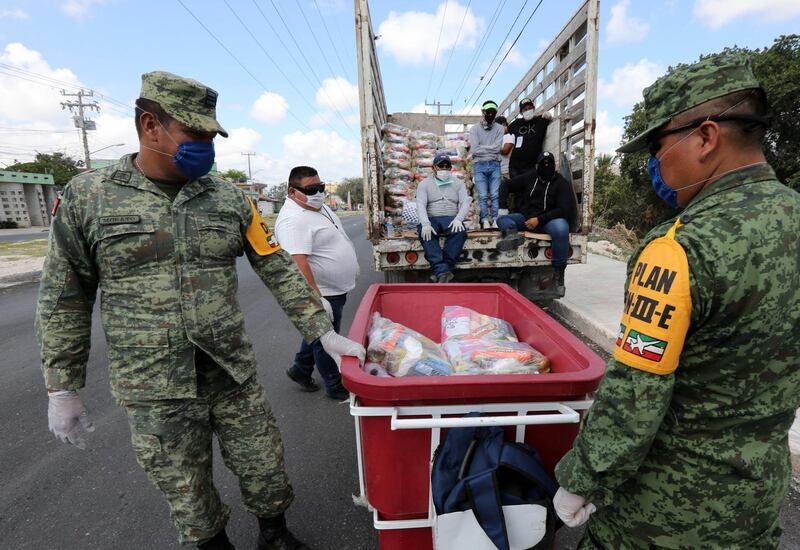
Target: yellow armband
(259, 236)
(658, 308)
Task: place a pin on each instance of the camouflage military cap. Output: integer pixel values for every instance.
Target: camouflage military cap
(689, 86)
(188, 101)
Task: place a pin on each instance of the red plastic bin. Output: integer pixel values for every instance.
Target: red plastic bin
(396, 462)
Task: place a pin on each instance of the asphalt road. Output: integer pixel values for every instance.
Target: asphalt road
(54, 496)
(23, 235)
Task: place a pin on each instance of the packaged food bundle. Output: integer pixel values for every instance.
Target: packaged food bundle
(396, 155)
(404, 164)
(404, 352)
(399, 187)
(419, 135)
(398, 174)
(395, 201)
(458, 321)
(423, 162)
(389, 148)
(395, 129)
(470, 355)
(424, 154)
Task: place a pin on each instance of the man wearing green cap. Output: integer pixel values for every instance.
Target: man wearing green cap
(160, 238)
(686, 444)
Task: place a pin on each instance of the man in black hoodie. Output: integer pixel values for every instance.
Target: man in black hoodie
(545, 203)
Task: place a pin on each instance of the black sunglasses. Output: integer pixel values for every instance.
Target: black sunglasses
(444, 165)
(311, 189)
(654, 139)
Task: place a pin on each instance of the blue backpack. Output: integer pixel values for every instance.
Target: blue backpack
(476, 469)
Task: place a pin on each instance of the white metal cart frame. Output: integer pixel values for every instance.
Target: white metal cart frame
(441, 416)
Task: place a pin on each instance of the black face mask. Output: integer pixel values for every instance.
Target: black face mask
(489, 118)
(546, 170)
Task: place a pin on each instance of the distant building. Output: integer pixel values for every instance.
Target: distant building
(26, 198)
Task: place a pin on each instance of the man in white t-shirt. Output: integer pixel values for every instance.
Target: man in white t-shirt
(312, 233)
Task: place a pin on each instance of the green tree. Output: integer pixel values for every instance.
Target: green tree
(278, 191)
(59, 165)
(236, 176)
(355, 186)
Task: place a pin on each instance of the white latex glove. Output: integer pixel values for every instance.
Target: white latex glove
(427, 231)
(456, 226)
(547, 115)
(337, 345)
(67, 418)
(572, 509)
(328, 309)
(502, 212)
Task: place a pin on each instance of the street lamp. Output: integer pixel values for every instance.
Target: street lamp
(106, 147)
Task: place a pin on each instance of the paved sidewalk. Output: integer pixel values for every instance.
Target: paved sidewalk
(594, 299)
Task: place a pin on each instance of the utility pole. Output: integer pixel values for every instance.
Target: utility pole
(438, 105)
(249, 171)
(80, 119)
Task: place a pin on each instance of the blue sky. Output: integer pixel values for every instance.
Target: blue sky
(289, 113)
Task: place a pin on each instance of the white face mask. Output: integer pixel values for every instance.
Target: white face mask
(528, 115)
(316, 200)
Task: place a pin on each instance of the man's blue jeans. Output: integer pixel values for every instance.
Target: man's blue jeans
(557, 228)
(442, 261)
(487, 182)
(310, 354)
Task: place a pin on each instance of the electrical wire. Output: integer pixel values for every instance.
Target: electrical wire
(330, 38)
(322, 54)
(509, 50)
(453, 49)
(245, 69)
(436, 52)
(463, 82)
(499, 49)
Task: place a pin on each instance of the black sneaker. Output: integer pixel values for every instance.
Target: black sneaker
(339, 393)
(307, 384)
(218, 542)
(510, 241)
(273, 535)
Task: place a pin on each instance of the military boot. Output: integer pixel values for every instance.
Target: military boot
(511, 240)
(274, 535)
(558, 281)
(219, 542)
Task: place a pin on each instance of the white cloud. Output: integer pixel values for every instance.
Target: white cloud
(270, 108)
(623, 28)
(14, 14)
(628, 81)
(607, 135)
(515, 57)
(79, 9)
(318, 120)
(718, 13)
(32, 118)
(422, 108)
(410, 37)
(337, 94)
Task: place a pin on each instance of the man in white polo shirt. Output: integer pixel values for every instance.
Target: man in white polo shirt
(312, 233)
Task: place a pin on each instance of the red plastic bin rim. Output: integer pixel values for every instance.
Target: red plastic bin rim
(481, 387)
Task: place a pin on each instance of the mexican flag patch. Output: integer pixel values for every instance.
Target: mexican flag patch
(620, 336)
(645, 346)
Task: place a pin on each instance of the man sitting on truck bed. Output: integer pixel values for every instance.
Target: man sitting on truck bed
(442, 205)
(546, 204)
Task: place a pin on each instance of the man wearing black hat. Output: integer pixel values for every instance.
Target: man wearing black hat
(545, 204)
(528, 133)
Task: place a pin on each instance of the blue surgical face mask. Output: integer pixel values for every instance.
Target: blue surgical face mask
(194, 158)
(664, 192)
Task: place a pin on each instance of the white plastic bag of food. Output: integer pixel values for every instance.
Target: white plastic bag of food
(470, 355)
(404, 352)
(460, 321)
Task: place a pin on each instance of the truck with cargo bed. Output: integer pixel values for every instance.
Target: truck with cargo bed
(563, 81)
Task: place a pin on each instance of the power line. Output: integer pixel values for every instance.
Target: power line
(335, 49)
(509, 49)
(453, 49)
(322, 53)
(245, 69)
(479, 49)
(499, 49)
(436, 52)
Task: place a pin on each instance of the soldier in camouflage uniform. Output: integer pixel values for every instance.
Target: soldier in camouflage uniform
(160, 238)
(686, 444)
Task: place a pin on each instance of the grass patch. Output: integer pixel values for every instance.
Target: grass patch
(36, 248)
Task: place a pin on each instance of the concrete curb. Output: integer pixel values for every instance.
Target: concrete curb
(589, 327)
(20, 278)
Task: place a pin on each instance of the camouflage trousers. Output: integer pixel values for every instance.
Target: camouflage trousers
(172, 440)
